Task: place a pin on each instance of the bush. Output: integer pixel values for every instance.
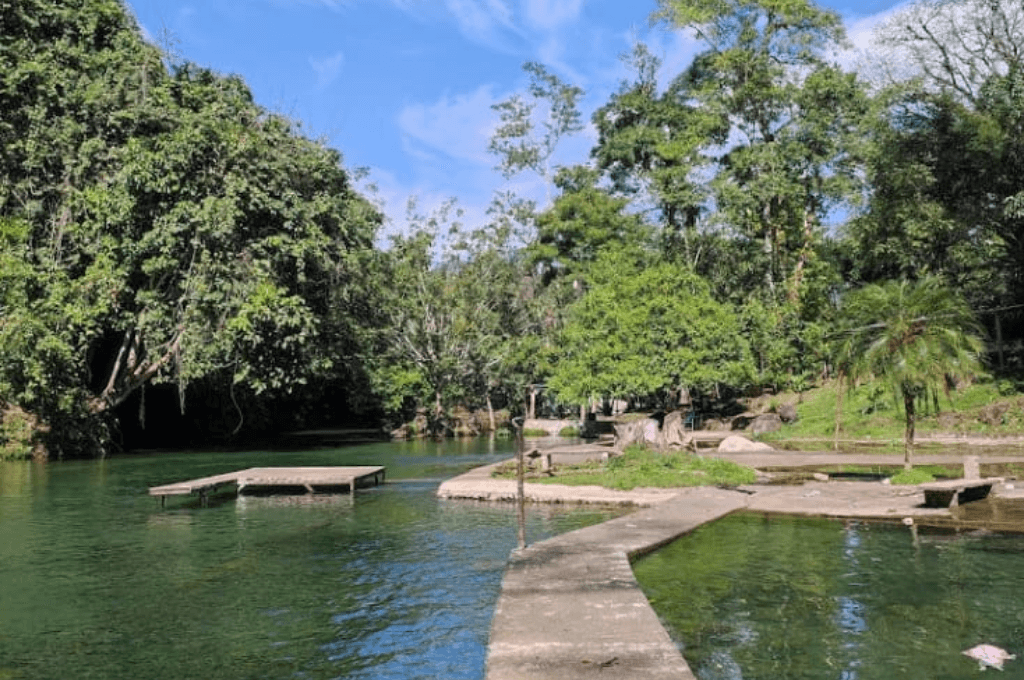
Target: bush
(18, 431)
(569, 431)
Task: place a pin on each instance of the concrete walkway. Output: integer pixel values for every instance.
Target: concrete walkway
(570, 606)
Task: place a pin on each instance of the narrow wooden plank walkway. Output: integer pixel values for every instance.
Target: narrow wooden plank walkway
(306, 477)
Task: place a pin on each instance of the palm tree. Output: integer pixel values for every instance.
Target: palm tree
(917, 337)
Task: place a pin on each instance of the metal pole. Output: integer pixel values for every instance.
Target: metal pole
(520, 492)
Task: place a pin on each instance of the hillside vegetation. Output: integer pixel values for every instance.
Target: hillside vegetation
(870, 414)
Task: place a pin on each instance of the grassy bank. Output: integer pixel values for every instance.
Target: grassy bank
(870, 417)
(637, 468)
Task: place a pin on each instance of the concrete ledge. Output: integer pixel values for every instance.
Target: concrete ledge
(570, 606)
(478, 485)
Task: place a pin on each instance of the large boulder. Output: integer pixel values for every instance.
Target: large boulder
(551, 427)
(641, 432)
(673, 432)
(787, 412)
(737, 444)
(768, 422)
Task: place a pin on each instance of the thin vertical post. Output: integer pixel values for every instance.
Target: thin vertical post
(520, 491)
(999, 341)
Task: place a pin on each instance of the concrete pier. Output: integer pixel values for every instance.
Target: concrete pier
(571, 608)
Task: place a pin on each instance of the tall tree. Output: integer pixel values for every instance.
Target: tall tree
(584, 220)
(652, 145)
(176, 230)
(790, 156)
(451, 312)
(644, 330)
(532, 125)
(946, 174)
(916, 337)
(953, 46)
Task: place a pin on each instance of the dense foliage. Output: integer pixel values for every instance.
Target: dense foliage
(918, 338)
(158, 227)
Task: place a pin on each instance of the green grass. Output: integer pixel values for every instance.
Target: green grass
(533, 432)
(871, 415)
(569, 432)
(638, 467)
(918, 475)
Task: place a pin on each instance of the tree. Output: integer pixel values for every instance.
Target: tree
(582, 222)
(517, 142)
(918, 338)
(954, 47)
(790, 153)
(651, 145)
(639, 331)
(450, 314)
(947, 191)
(949, 159)
(176, 231)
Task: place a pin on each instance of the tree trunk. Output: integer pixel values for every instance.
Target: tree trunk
(438, 413)
(490, 412)
(798, 271)
(532, 413)
(908, 437)
(839, 411)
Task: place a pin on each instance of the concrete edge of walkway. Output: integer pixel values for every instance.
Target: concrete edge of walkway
(477, 484)
(570, 606)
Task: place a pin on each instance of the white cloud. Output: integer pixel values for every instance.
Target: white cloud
(547, 15)
(327, 69)
(459, 127)
(875, 63)
(676, 49)
(481, 20)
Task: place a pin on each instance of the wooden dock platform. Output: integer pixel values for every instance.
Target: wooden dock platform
(308, 478)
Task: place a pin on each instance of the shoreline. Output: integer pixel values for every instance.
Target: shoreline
(570, 606)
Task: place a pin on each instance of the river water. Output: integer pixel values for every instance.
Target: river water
(98, 582)
(766, 598)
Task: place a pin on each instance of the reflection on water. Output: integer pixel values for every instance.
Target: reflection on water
(776, 597)
(97, 581)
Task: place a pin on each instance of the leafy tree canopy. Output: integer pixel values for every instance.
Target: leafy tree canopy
(916, 337)
(642, 329)
(170, 228)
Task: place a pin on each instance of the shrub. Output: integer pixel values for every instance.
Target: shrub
(18, 431)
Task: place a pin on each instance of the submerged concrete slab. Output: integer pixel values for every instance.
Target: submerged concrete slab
(570, 606)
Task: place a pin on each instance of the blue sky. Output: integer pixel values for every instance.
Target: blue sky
(405, 87)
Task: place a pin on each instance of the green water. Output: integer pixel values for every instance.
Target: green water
(770, 598)
(96, 581)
